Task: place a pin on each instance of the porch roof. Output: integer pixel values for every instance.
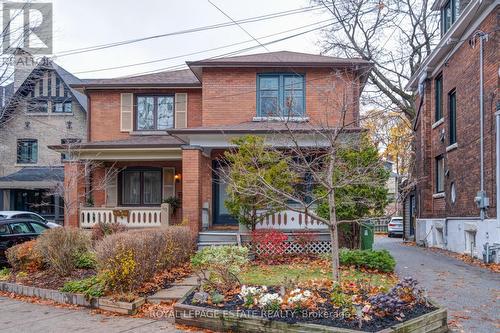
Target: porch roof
(33, 177)
(136, 147)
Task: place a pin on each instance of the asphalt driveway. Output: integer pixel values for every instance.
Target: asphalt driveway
(471, 294)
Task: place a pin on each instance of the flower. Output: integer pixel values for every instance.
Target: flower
(267, 300)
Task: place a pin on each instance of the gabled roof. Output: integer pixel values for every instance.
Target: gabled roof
(65, 76)
(179, 78)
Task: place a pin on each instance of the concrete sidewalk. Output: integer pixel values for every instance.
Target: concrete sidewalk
(23, 317)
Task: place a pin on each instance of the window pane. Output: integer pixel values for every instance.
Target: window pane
(165, 112)
(4, 229)
(27, 151)
(439, 97)
(453, 117)
(152, 187)
(269, 83)
(145, 116)
(439, 174)
(269, 103)
(20, 228)
(58, 107)
(131, 192)
(68, 107)
(294, 103)
(38, 228)
(294, 83)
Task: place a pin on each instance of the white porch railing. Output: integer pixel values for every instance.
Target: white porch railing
(133, 217)
(290, 220)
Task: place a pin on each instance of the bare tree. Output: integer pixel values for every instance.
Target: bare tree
(396, 35)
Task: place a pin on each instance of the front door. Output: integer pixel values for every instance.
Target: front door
(221, 214)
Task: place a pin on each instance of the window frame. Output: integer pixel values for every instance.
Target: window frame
(452, 116)
(438, 97)
(64, 102)
(281, 94)
(33, 160)
(439, 180)
(455, 13)
(141, 183)
(155, 111)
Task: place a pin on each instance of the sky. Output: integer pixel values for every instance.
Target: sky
(84, 23)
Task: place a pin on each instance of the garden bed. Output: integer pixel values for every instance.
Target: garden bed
(47, 279)
(233, 316)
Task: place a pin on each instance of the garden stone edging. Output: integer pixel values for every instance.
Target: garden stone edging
(50, 294)
(225, 321)
(104, 303)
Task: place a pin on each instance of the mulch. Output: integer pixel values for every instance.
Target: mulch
(49, 280)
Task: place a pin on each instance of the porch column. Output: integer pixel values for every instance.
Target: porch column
(74, 192)
(192, 161)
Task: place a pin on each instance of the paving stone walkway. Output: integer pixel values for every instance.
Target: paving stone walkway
(471, 294)
(175, 292)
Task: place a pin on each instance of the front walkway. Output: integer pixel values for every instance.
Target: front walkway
(470, 293)
(22, 317)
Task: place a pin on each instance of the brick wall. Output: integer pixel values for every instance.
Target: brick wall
(229, 94)
(460, 72)
(105, 108)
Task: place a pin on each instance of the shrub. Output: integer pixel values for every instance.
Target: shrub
(380, 260)
(270, 242)
(129, 259)
(222, 264)
(101, 230)
(61, 247)
(304, 239)
(85, 260)
(90, 287)
(4, 274)
(24, 257)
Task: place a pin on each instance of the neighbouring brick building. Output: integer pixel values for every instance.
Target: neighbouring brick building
(159, 136)
(444, 208)
(41, 110)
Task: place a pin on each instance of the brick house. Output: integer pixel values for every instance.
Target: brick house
(160, 135)
(447, 208)
(39, 108)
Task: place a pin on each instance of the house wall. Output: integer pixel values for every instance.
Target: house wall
(47, 128)
(230, 94)
(460, 72)
(105, 109)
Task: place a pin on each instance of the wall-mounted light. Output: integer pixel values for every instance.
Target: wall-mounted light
(177, 177)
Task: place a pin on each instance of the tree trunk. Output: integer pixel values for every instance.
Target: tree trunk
(334, 238)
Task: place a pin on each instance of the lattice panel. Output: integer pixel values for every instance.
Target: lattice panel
(294, 248)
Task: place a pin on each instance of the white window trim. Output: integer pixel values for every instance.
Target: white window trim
(283, 119)
(452, 147)
(437, 123)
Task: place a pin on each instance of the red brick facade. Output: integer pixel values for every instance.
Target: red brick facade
(460, 71)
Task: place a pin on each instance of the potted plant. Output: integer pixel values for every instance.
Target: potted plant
(174, 203)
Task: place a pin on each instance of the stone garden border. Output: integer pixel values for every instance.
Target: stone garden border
(227, 321)
(104, 303)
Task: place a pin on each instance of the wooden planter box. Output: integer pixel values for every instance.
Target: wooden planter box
(227, 321)
(108, 304)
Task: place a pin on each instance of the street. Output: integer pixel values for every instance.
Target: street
(470, 293)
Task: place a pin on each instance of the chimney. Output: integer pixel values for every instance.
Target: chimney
(24, 63)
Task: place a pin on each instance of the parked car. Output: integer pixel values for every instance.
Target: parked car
(16, 231)
(395, 227)
(15, 214)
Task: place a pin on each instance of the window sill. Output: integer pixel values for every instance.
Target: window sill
(148, 133)
(283, 119)
(437, 123)
(438, 195)
(25, 164)
(37, 113)
(452, 147)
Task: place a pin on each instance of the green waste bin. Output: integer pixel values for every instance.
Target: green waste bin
(367, 235)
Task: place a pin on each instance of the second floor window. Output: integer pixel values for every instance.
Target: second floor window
(62, 107)
(449, 14)
(27, 151)
(280, 95)
(452, 105)
(154, 113)
(438, 97)
(439, 174)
